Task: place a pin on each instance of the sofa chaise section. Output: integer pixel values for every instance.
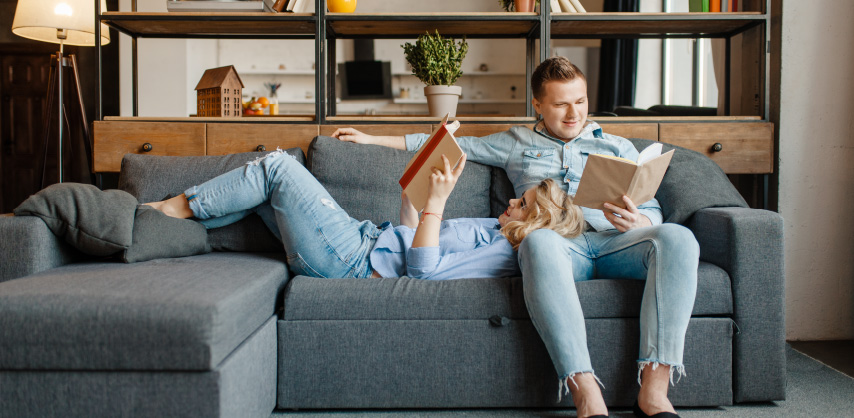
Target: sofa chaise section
(161, 337)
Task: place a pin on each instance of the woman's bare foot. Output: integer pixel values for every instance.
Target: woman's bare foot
(586, 395)
(652, 397)
(176, 207)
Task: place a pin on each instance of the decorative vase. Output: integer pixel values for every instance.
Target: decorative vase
(524, 5)
(341, 6)
(442, 99)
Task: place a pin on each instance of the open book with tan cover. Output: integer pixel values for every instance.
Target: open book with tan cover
(416, 175)
(607, 178)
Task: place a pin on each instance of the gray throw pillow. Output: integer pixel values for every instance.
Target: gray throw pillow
(363, 180)
(692, 182)
(156, 235)
(152, 178)
(96, 222)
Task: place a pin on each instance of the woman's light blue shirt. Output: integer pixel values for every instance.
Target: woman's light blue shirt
(529, 156)
(468, 248)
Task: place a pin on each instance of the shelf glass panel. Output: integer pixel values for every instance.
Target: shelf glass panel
(187, 25)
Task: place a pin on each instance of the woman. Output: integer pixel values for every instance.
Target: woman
(321, 240)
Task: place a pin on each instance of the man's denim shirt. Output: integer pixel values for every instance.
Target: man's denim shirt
(529, 156)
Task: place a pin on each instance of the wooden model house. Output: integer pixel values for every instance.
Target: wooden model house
(219, 93)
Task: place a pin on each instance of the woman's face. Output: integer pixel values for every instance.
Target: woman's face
(518, 208)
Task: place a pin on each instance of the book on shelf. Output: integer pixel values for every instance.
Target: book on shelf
(607, 178)
(279, 6)
(566, 6)
(416, 176)
(578, 7)
(695, 6)
(300, 6)
(240, 6)
(554, 6)
(715, 6)
(705, 6)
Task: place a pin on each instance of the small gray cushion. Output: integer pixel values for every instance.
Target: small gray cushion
(692, 182)
(152, 178)
(156, 235)
(96, 222)
(363, 179)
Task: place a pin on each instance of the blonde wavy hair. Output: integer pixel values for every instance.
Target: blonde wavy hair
(551, 209)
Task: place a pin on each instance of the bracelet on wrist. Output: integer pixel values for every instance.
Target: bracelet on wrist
(437, 215)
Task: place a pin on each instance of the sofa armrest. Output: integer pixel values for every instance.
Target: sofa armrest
(748, 244)
(28, 246)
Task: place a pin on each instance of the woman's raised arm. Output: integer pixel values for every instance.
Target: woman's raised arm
(442, 183)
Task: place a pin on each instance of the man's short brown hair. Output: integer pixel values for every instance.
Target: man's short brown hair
(553, 69)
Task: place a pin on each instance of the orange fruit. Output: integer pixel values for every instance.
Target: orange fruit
(264, 102)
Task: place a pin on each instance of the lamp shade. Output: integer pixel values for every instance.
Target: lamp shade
(40, 19)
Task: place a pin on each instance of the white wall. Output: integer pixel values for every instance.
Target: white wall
(162, 70)
(817, 168)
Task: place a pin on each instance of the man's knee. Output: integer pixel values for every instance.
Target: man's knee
(541, 240)
(673, 237)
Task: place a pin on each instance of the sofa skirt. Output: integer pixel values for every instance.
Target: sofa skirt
(242, 385)
(477, 363)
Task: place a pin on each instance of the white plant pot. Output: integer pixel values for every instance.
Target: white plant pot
(442, 100)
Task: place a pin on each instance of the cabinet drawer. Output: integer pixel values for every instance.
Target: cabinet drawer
(230, 138)
(112, 140)
(632, 130)
(742, 148)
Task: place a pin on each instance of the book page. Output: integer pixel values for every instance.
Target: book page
(649, 153)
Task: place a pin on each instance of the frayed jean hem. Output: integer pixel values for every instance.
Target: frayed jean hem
(678, 369)
(563, 383)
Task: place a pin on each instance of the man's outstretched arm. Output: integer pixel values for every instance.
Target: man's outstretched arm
(353, 135)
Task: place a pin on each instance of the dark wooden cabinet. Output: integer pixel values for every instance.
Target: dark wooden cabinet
(23, 86)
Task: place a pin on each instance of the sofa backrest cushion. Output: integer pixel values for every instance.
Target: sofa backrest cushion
(692, 182)
(363, 179)
(152, 178)
(501, 193)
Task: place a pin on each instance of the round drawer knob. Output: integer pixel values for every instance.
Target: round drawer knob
(260, 148)
(717, 147)
(147, 147)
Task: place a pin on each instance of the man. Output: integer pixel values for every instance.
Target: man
(619, 243)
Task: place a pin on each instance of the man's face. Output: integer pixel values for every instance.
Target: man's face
(564, 107)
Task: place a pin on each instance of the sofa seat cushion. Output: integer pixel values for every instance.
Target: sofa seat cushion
(168, 314)
(309, 298)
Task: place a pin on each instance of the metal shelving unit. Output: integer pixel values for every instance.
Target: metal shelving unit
(324, 28)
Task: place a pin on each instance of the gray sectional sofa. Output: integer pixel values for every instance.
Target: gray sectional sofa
(233, 333)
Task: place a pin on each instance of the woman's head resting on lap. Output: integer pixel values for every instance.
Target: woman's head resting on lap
(543, 206)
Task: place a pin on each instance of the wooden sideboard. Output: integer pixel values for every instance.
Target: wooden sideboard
(737, 145)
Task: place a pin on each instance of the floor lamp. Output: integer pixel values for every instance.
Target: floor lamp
(65, 22)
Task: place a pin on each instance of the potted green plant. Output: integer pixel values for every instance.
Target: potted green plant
(518, 5)
(436, 61)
